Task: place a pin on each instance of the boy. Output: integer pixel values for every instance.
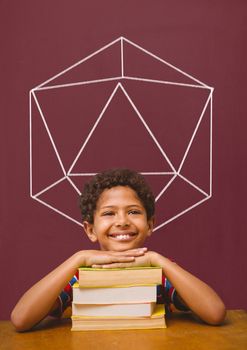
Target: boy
(118, 212)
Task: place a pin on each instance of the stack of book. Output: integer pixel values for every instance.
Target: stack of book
(106, 299)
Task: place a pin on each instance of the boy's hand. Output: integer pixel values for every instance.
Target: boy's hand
(145, 259)
(99, 258)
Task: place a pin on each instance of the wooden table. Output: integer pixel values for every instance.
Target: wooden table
(183, 333)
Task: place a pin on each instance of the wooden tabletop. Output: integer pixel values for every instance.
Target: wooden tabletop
(183, 332)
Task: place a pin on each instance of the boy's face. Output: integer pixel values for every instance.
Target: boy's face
(120, 220)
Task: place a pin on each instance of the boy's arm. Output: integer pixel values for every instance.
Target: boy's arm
(41, 299)
(194, 293)
(201, 299)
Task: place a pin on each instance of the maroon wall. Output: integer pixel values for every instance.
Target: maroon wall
(204, 39)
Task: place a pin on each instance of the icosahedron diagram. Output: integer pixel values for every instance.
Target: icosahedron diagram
(122, 106)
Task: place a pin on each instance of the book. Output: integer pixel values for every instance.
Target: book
(108, 310)
(133, 276)
(120, 298)
(85, 323)
(114, 295)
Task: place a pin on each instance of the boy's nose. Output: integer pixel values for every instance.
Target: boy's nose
(122, 221)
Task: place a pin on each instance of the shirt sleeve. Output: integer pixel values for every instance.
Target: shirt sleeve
(64, 298)
(169, 295)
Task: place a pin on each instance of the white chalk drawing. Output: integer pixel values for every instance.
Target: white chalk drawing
(120, 80)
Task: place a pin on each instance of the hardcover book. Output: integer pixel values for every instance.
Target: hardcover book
(133, 276)
(157, 320)
(114, 295)
(121, 310)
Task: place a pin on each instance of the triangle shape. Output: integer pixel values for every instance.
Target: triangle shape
(179, 197)
(71, 113)
(139, 63)
(121, 140)
(64, 199)
(196, 167)
(172, 113)
(102, 64)
(45, 165)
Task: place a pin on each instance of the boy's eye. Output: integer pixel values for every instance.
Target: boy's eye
(106, 213)
(135, 212)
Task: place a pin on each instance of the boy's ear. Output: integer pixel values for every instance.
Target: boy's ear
(150, 226)
(88, 228)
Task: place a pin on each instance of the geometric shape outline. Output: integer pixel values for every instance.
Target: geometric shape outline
(69, 175)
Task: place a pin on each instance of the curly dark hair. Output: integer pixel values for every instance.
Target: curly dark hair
(112, 178)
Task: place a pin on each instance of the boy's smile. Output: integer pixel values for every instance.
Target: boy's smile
(120, 220)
